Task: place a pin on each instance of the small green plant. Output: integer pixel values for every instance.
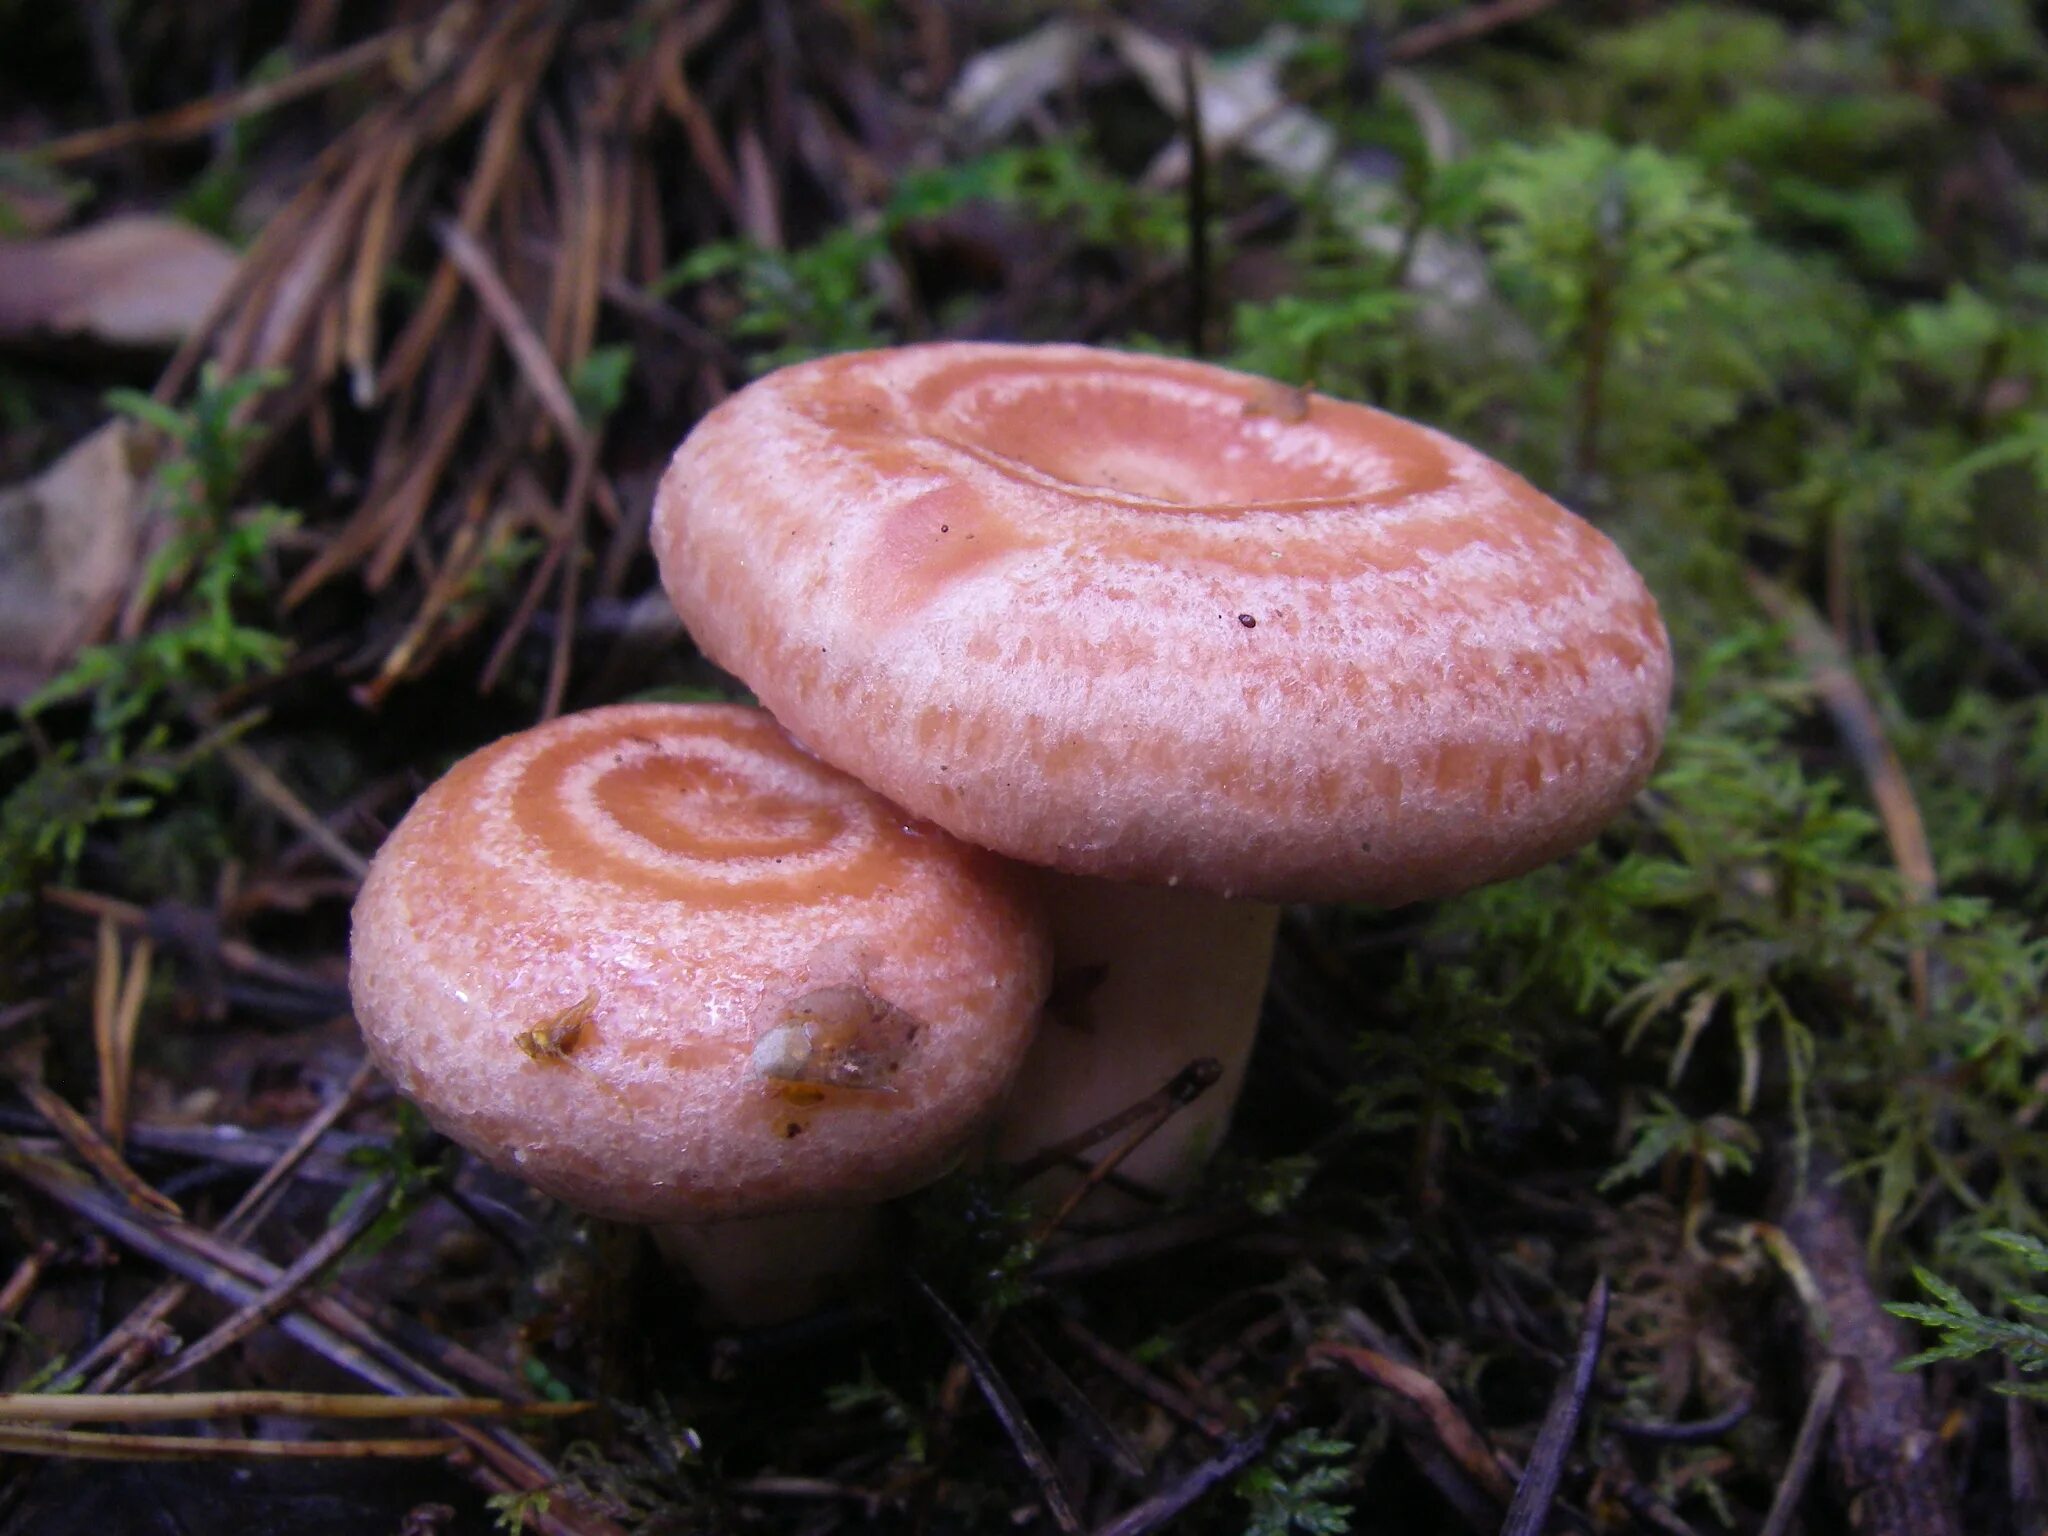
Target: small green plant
(1614, 248)
(1967, 1332)
(513, 1512)
(145, 696)
(1292, 1492)
(411, 1165)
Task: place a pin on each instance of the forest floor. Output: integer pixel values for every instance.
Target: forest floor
(341, 346)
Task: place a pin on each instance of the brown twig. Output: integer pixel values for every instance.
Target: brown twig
(521, 340)
(324, 1326)
(1145, 1383)
(196, 117)
(149, 1407)
(1863, 733)
(1163, 1508)
(117, 1011)
(282, 1291)
(1186, 1085)
(1884, 1453)
(1424, 1404)
(1197, 206)
(1067, 1396)
(92, 1149)
(1008, 1411)
(1537, 1491)
(84, 1445)
(1813, 1428)
(274, 792)
(1462, 27)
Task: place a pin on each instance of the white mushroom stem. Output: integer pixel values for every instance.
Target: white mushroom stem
(756, 1270)
(1147, 980)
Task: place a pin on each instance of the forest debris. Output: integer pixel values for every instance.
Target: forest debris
(90, 1446)
(998, 89)
(1423, 1406)
(68, 542)
(92, 1148)
(137, 280)
(1530, 1512)
(262, 780)
(117, 1010)
(1884, 1455)
(1461, 26)
(151, 1407)
(1245, 107)
(1863, 733)
(335, 1332)
(196, 117)
(1159, 1512)
(1813, 1426)
(1009, 1412)
(281, 1292)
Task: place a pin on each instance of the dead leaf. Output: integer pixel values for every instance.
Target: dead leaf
(67, 544)
(135, 281)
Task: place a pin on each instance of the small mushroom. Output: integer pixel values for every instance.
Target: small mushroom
(664, 965)
(1121, 618)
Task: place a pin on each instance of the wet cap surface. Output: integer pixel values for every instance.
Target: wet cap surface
(663, 964)
(1157, 621)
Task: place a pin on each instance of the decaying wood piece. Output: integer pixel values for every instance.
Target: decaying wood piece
(1885, 1459)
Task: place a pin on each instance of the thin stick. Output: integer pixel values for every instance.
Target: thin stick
(1162, 1509)
(1862, 731)
(524, 343)
(256, 773)
(1461, 26)
(1187, 1085)
(1820, 1409)
(82, 1445)
(325, 1327)
(125, 1343)
(1197, 206)
(1537, 1491)
(92, 1148)
(581, 474)
(106, 1002)
(1154, 1389)
(196, 117)
(279, 1294)
(1008, 1411)
(27, 1276)
(117, 1070)
(150, 1407)
(1421, 1395)
(1692, 1432)
(1081, 1412)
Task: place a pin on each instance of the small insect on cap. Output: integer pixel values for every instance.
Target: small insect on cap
(1157, 621)
(666, 966)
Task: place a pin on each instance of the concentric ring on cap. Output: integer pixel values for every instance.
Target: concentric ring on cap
(1154, 620)
(663, 964)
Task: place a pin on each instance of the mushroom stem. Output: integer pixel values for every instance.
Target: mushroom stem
(1146, 980)
(756, 1270)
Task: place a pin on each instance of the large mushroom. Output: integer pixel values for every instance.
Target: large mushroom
(661, 963)
(1193, 641)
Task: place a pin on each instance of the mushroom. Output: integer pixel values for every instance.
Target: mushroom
(1194, 641)
(664, 965)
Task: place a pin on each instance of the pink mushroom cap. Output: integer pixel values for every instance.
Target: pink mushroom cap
(1157, 621)
(665, 965)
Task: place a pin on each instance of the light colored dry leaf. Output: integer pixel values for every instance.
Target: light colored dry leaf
(998, 89)
(133, 281)
(68, 541)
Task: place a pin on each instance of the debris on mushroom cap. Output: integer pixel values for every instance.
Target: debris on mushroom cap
(576, 951)
(1118, 615)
